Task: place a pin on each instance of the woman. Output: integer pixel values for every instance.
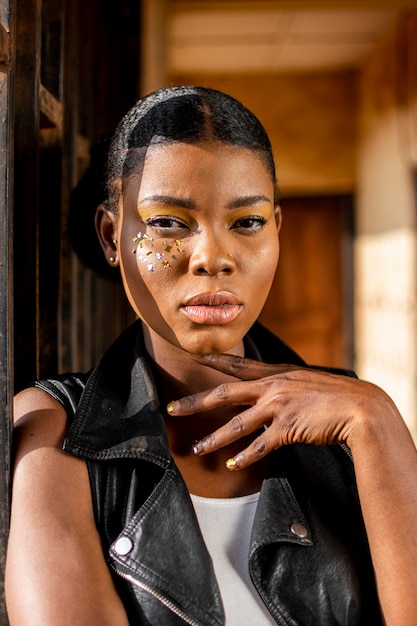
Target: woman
(202, 473)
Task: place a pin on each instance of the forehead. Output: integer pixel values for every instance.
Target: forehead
(208, 165)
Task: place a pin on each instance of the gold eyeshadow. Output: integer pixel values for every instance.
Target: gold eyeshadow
(147, 213)
(263, 210)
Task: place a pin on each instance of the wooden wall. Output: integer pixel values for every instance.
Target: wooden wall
(386, 243)
(311, 119)
(75, 73)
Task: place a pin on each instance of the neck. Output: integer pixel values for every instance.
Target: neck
(177, 370)
(177, 375)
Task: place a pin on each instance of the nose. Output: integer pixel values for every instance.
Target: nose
(210, 255)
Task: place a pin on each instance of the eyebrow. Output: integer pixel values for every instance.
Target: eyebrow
(184, 203)
(181, 203)
(248, 201)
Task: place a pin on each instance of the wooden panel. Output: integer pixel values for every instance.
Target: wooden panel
(6, 350)
(303, 113)
(4, 45)
(308, 306)
(26, 126)
(100, 84)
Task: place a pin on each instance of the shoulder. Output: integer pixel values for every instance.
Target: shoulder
(55, 562)
(43, 411)
(39, 420)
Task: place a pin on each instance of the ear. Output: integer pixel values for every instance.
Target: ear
(106, 227)
(278, 216)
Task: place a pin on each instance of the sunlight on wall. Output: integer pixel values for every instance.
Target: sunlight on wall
(385, 316)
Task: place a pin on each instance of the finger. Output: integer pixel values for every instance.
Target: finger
(257, 450)
(240, 425)
(241, 367)
(226, 394)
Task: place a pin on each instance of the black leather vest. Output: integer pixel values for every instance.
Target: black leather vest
(309, 557)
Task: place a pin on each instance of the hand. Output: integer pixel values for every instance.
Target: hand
(289, 403)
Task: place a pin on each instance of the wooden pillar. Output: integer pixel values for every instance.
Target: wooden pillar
(26, 81)
(6, 365)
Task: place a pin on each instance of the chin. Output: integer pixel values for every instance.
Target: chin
(211, 344)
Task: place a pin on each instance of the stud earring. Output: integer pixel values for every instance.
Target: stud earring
(112, 259)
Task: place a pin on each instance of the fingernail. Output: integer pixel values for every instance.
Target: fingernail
(231, 464)
(170, 407)
(196, 447)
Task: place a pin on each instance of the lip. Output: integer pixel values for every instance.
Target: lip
(210, 308)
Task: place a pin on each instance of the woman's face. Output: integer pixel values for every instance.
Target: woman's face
(198, 244)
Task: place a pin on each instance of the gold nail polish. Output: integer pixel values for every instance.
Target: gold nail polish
(170, 407)
(231, 464)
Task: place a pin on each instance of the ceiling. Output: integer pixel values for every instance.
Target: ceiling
(259, 36)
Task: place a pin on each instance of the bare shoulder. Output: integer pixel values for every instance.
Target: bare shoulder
(56, 570)
(40, 426)
(39, 420)
(46, 480)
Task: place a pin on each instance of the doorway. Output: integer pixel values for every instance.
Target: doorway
(311, 302)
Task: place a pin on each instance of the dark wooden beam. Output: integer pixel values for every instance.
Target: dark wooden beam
(26, 82)
(6, 286)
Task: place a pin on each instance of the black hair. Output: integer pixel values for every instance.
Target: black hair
(174, 114)
(84, 200)
(182, 114)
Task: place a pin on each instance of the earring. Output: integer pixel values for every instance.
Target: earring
(112, 259)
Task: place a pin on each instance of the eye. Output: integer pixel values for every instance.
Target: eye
(250, 224)
(164, 223)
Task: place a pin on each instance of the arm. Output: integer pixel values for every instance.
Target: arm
(386, 472)
(301, 405)
(55, 571)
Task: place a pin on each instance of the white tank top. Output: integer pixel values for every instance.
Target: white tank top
(226, 525)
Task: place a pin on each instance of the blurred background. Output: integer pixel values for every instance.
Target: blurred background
(335, 84)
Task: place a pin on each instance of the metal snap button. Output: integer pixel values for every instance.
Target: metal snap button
(123, 546)
(299, 530)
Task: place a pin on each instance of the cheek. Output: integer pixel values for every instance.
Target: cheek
(262, 262)
(147, 267)
(154, 256)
